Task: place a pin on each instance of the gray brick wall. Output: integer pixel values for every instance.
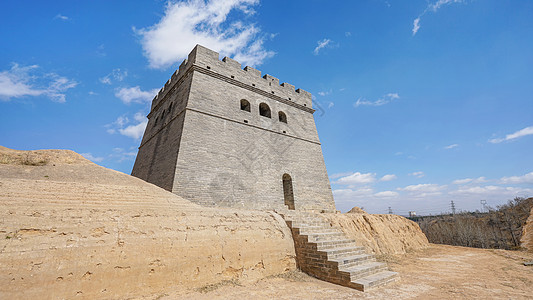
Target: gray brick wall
(209, 151)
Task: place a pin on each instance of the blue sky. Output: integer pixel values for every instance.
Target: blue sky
(418, 102)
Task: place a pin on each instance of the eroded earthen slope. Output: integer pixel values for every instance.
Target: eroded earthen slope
(380, 234)
(71, 228)
(526, 241)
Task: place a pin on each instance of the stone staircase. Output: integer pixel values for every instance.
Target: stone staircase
(326, 253)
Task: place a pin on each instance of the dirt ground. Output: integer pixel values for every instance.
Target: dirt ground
(439, 272)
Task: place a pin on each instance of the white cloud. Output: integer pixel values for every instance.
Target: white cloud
(124, 126)
(135, 131)
(387, 194)
(451, 146)
(135, 94)
(462, 181)
(61, 17)
(520, 133)
(388, 177)
(418, 174)
(470, 180)
(337, 175)
(416, 25)
(381, 101)
(433, 7)
(121, 155)
(423, 190)
(357, 178)
(321, 45)
(492, 190)
(115, 75)
(527, 178)
(330, 104)
(351, 193)
(188, 23)
(28, 81)
(92, 158)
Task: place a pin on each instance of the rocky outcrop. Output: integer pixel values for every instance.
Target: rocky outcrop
(380, 234)
(526, 241)
(70, 228)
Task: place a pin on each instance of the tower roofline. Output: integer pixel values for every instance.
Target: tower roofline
(208, 61)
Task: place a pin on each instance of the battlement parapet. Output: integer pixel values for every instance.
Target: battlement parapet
(210, 60)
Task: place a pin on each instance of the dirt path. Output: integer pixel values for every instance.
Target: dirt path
(439, 272)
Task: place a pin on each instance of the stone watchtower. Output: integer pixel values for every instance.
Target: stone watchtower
(219, 135)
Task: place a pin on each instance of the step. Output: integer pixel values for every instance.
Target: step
(342, 252)
(317, 230)
(374, 280)
(329, 244)
(347, 262)
(300, 224)
(363, 269)
(324, 236)
(306, 219)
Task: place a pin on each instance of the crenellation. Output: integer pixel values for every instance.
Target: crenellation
(232, 63)
(232, 69)
(288, 86)
(254, 72)
(272, 81)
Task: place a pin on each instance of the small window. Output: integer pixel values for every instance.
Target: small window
(264, 110)
(245, 105)
(282, 117)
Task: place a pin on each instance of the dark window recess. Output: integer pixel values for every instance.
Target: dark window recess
(246, 121)
(253, 84)
(208, 67)
(284, 131)
(282, 117)
(264, 110)
(245, 105)
(288, 194)
(232, 76)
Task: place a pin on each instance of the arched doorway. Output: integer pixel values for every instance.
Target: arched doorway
(288, 194)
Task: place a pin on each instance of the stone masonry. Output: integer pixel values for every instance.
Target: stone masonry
(326, 253)
(220, 135)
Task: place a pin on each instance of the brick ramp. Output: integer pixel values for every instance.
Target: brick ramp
(326, 253)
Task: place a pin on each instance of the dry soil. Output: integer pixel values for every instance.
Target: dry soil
(438, 272)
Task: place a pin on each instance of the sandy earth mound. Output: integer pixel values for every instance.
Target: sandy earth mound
(380, 234)
(527, 233)
(437, 272)
(70, 228)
